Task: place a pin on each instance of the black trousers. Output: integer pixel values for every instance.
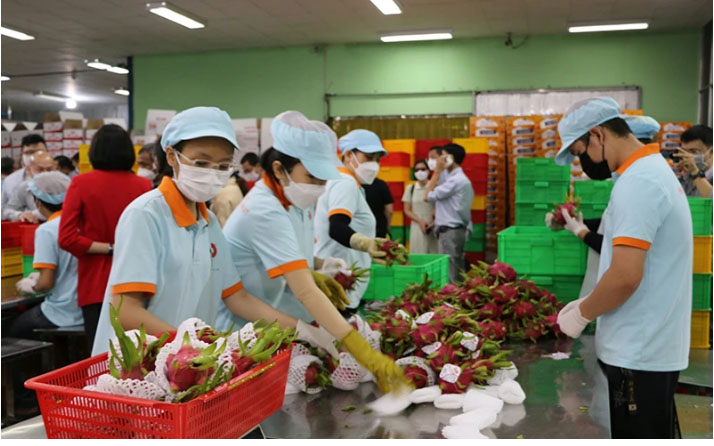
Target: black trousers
(91, 313)
(641, 403)
(23, 326)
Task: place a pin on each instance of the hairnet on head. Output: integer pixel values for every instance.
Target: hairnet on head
(49, 187)
(362, 140)
(579, 119)
(312, 142)
(643, 127)
(199, 122)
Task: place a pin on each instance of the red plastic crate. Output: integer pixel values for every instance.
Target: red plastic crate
(478, 217)
(396, 159)
(474, 257)
(229, 411)
(27, 235)
(11, 237)
(421, 150)
(475, 160)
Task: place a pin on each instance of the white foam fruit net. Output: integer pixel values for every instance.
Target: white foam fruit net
(128, 387)
(373, 337)
(422, 364)
(348, 374)
(296, 372)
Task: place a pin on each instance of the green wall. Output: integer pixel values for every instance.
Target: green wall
(264, 82)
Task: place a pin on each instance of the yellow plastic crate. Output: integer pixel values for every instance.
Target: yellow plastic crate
(394, 174)
(473, 145)
(701, 329)
(479, 203)
(398, 218)
(85, 166)
(11, 270)
(12, 256)
(702, 255)
(400, 145)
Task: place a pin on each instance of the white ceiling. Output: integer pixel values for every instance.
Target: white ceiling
(69, 31)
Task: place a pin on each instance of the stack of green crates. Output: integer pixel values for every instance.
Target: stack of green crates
(477, 240)
(594, 196)
(701, 209)
(385, 282)
(539, 184)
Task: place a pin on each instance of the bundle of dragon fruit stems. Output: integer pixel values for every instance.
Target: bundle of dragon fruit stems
(196, 361)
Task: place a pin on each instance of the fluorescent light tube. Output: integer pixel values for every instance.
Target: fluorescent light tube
(387, 7)
(71, 104)
(15, 34)
(411, 37)
(54, 97)
(4, 78)
(98, 65)
(610, 27)
(117, 70)
(170, 12)
(122, 91)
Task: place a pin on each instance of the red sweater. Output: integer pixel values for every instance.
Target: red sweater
(90, 213)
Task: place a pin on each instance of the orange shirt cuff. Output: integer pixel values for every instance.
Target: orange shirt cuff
(134, 287)
(287, 268)
(43, 266)
(228, 292)
(629, 241)
(339, 211)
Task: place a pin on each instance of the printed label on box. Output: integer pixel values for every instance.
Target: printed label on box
(671, 145)
(675, 127)
(671, 136)
(486, 132)
(522, 131)
(71, 144)
(549, 144)
(54, 136)
(548, 134)
(523, 141)
(73, 133)
(54, 145)
(548, 123)
(52, 126)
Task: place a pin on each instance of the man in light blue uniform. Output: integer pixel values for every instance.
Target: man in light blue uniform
(451, 192)
(643, 296)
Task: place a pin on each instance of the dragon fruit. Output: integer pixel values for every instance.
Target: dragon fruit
(551, 322)
(190, 368)
(502, 272)
(396, 253)
(417, 375)
(529, 289)
(523, 309)
(411, 308)
(315, 376)
(425, 334)
(547, 296)
(492, 330)
(350, 278)
(468, 375)
(137, 358)
(209, 335)
(534, 330)
(449, 289)
(396, 337)
(570, 205)
(489, 310)
(269, 340)
(505, 294)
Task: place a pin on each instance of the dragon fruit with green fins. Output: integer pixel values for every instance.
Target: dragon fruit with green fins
(396, 253)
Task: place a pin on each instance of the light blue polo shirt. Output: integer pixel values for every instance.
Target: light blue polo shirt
(182, 265)
(60, 305)
(345, 196)
(649, 210)
(266, 240)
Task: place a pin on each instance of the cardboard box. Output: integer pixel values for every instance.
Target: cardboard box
(522, 121)
(670, 145)
(92, 126)
(6, 140)
(516, 132)
(55, 146)
(72, 144)
(523, 141)
(157, 120)
(52, 123)
(73, 129)
(549, 134)
(677, 127)
(54, 136)
(549, 122)
(670, 136)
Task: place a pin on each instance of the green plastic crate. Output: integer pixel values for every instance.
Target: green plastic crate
(385, 282)
(479, 231)
(702, 292)
(398, 233)
(541, 169)
(541, 191)
(701, 209)
(592, 210)
(536, 250)
(532, 214)
(565, 288)
(592, 191)
(477, 241)
(27, 265)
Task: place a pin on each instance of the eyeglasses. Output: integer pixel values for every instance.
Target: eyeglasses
(203, 164)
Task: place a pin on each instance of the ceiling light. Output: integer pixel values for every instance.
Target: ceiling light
(71, 104)
(608, 27)
(411, 37)
(170, 12)
(122, 91)
(387, 7)
(118, 70)
(98, 65)
(4, 78)
(15, 34)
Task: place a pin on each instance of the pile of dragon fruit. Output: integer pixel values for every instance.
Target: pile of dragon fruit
(197, 360)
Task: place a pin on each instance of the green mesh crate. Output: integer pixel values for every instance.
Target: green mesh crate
(592, 210)
(385, 282)
(477, 240)
(536, 250)
(565, 288)
(592, 191)
(532, 214)
(541, 191)
(702, 292)
(541, 169)
(27, 268)
(701, 209)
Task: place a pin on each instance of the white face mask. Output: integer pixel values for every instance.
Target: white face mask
(421, 175)
(302, 195)
(251, 176)
(146, 173)
(431, 162)
(449, 160)
(365, 172)
(200, 184)
(26, 160)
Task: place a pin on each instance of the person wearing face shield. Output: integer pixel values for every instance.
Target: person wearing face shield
(642, 298)
(591, 231)
(31, 144)
(345, 226)
(171, 261)
(271, 239)
(695, 158)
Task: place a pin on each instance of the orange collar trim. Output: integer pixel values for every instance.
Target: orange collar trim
(277, 190)
(182, 214)
(649, 149)
(55, 215)
(346, 171)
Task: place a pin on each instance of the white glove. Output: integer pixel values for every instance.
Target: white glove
(576, 226)
(550, 222)
(332, 265)
(571, 320)
(27, 285)
(317, 337)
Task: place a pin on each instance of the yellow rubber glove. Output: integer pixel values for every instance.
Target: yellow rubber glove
(361, 242)
(389, 376)
(332, 289)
